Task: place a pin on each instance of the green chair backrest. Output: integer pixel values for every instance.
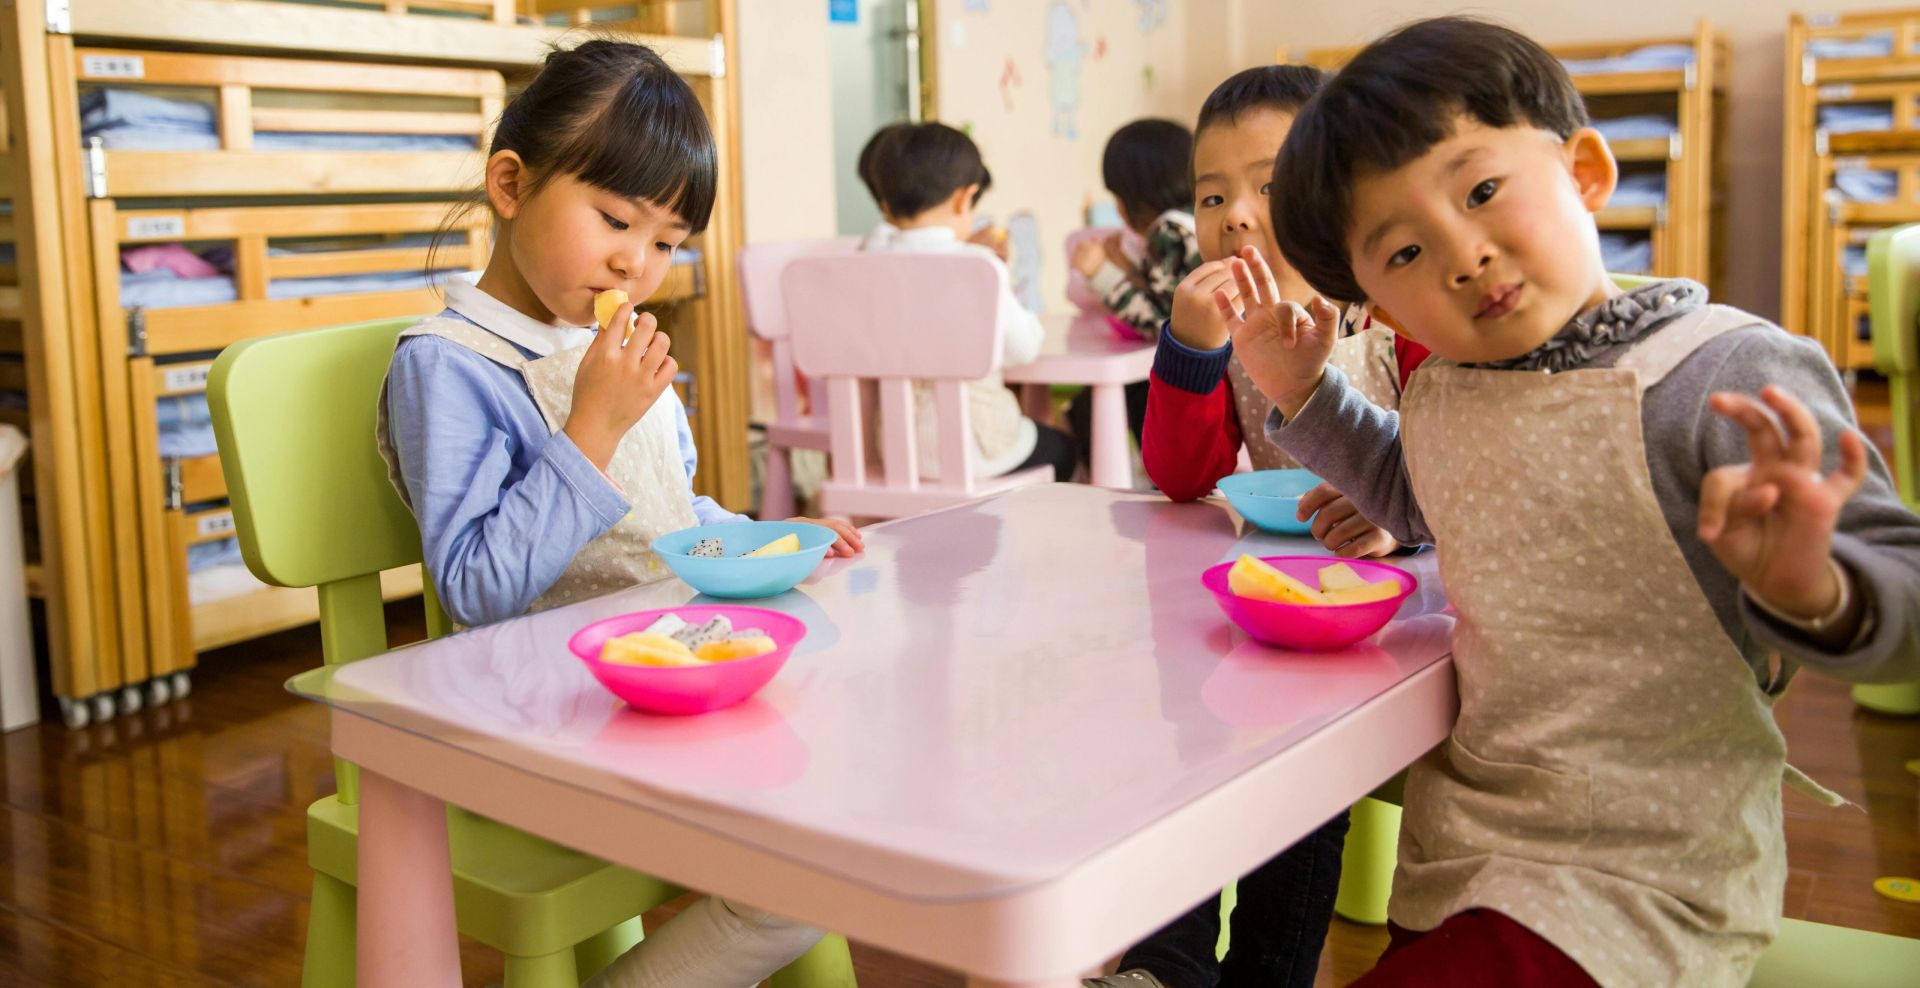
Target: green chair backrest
(294, 415)
(1893, 312)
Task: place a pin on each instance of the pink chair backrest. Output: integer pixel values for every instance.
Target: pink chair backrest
(760, 268)
(1078, 291)
(897, 318)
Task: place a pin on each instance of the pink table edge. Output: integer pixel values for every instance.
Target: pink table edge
(1049, 934)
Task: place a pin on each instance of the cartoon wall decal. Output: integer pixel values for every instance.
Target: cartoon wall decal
(1009, 81)
(1025, 262)
(1065, 51)
(1153, 13)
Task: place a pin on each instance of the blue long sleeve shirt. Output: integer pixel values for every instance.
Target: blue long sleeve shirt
(503, 503)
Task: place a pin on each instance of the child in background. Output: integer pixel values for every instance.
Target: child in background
(1200, 405)
(542, 460)
(1148, 168)
(1640, 553)
(875, 162)
(1279, 922)
(931, 177)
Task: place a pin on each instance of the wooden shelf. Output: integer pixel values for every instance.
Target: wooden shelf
(1875, 142)
(255, 25)
(1628, 218)
(1626, 83)
(263, 612)
(1642, 149)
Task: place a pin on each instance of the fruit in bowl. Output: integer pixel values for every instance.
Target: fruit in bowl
(747, 558)
(1309, 603)
(687, 660)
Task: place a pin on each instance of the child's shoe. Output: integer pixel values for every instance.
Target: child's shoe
(1136, 978)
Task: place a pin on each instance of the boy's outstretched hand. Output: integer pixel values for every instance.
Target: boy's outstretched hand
(1771, 520)
(848, 544)
(1339, 525)
(1283, 347)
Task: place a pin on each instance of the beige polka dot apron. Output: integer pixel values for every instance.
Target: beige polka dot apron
(646, 466)
(1613, 780)
(1366, 357)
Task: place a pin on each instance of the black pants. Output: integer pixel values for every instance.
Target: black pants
(1279, 924)
(1080, 418)
(1054, 449)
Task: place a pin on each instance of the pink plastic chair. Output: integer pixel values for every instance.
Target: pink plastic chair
(897, 319)
(760, 268)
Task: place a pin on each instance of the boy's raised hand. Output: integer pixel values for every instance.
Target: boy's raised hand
(618, 380)
(1770, 521)
(1283, 346)
(1196, 320)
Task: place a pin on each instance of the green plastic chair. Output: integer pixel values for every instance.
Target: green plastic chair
(1893, 312)
(294, 415)
(1835, 957)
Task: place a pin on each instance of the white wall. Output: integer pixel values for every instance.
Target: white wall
(786, 117)
(1756, 33)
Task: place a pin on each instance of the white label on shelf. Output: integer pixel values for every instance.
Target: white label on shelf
(1837, 91)
(1822, 20)
(1853, 164)
(113, 66)
(156, 227)
(192, 377)
(220, 523)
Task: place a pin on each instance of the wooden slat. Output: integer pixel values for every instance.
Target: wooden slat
(1628, 218)
(9, 275)
(1884, 213)
(13, 375)
(6, 177)
(1646, 149)
(321, 265)
(311, 28)
(6, 219)
(210, 173)
(366, 122)
(201, 480)
(236, 118)
(11, 337)
(10, 303)
(225, 223)
(205, 328)
(192, 69)
(237, 619)
(1621, 83)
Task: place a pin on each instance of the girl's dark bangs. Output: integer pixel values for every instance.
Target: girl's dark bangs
(650, 146)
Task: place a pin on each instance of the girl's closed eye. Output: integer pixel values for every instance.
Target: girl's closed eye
(611, 221)
(664, 247)
(1403, 257)
(1482, 192)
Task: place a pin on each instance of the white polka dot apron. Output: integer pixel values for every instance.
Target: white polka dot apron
(1613, 780)
(646, 466)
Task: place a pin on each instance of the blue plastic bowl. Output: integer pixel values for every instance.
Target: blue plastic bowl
(737, 578)
(1269, 498)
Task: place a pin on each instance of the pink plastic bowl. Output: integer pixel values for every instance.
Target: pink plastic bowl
(1305, 627)
(688, 689)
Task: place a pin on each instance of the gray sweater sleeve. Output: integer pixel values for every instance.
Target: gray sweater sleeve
(1877, 539)
(1354, 445)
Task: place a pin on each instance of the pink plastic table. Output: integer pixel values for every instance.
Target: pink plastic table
(1018, 737)
(1082, 349)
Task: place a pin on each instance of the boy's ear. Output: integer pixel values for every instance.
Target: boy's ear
(506, 178)
(963, 198)
(1595, 173)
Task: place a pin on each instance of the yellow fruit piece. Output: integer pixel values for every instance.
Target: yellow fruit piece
(1258, 580)
(605, 304)
(1340, 576)
(736, 648)
(643, 649)
(778, 547)
(1365, 593)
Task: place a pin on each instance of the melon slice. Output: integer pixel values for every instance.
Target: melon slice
(605, 304)
(1259, 580)
(647, 649)
(778, 547)
(735, 648)
(1340, 576)
(1366, 593)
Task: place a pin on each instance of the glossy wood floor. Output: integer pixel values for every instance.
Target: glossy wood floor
(168, 848)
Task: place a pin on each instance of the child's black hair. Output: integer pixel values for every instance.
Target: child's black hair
(874, 161)
(1398, 98)
(1273, 87)
(1147, 166)
(613, 115)
(924, 164)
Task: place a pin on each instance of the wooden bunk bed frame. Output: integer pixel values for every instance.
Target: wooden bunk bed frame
(93, 379)
(1817, 296)
(1687, 231)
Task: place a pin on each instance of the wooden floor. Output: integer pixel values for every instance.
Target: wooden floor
(167, 848)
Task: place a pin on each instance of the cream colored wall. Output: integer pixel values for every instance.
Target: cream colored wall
(1756, 33)
(1036, 166)
(786, 120)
